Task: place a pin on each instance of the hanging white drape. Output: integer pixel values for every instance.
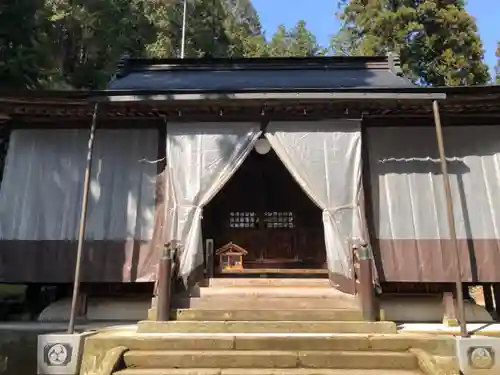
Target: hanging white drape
(407, 183)
(201, 158)
(325, 159)
(409, 202)
(41, 192)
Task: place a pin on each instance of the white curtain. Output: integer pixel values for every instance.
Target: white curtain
(407, 183)
(324, 157)
(41, 192)
(201, 158)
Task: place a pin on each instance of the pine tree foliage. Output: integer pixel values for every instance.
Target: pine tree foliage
(75, 44)
(437, 40)
(298, 41)
(22, 36)
(497, 67)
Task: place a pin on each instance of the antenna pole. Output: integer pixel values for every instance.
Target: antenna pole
(183, 40)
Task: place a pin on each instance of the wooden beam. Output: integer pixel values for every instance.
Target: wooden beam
(496, 297)
(450, 310)
(4, 117)
(451, 220)
(366, 285)
(488, 297)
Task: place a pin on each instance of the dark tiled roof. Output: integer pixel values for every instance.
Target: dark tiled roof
(270, 74)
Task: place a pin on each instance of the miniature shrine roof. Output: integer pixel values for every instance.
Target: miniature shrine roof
(258, 74)
(231, 247)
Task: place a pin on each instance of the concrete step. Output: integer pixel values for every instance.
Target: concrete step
(266, 327)
(272, 291)
(229, 302)
(265, 371)
(267, 315)
(155, 359)
(436, 345)
(269, 282)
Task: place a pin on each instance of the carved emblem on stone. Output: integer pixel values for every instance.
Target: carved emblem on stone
(481, 358)
(57, 354)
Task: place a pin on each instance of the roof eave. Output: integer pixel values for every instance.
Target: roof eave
(390, 94)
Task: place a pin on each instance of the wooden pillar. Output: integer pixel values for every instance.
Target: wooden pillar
(450, 310)
(210, 253)
(366, 289)
(81, 311)
(165, 284)
(451, 220)
(32, 299)
(488, 298)
(76, 299)
(496, 297)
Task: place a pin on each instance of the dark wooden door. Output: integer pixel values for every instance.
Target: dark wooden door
(263, 210)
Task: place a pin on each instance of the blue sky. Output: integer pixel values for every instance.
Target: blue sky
(321, 20)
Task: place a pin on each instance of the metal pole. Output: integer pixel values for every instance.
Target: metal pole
(451, 220)
(83, 219)
(183, 40)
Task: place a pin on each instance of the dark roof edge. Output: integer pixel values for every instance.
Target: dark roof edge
(47, 94)
(395, 64)
(127, 65)
(84, 95)
(131, 97)
(384, 90)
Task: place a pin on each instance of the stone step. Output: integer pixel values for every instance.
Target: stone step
(266, 327)
(269, 282)
(271, 291)
(155, 359)
(437, 345)
(264, 371)
(267, 315)
(229, 302)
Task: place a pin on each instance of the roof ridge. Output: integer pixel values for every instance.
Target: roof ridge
(127, 64)
(292, 73)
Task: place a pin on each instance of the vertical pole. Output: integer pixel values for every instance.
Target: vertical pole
(496, 298)
(183, 39)
(366, 289)
(451, 220)
(164, 285)
(83, 219)
(488, 297)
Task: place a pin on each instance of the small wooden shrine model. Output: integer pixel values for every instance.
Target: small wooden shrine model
(231, 257)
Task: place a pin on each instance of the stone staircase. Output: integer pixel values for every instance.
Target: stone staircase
(264, 327)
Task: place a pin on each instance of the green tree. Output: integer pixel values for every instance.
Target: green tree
(89, 36)
(437, 40)
(76, 43)
(243, 12)
(244, 29)
(303, 41)
(343, 43)
(298, 41)
(216, 28)
(243, 43)
(497, 67)
(280, 43)
(22, 36)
